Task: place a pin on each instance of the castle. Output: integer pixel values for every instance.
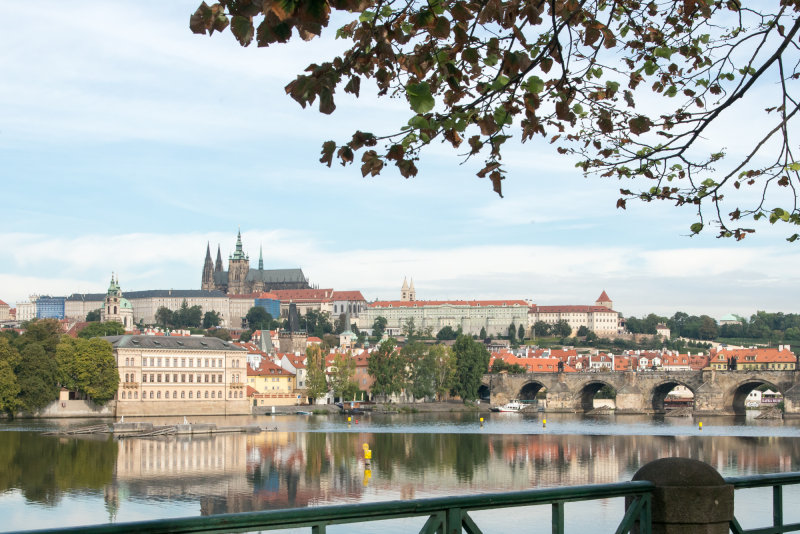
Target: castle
(240, 279)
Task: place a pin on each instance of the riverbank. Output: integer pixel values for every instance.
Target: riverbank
(394, 407)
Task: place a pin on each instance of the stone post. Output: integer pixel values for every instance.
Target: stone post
(690, 497)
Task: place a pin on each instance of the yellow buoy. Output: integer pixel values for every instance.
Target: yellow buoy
(481, 419)
(365, 446)
(348, 419)
(368, 454)
(544, 422)
(700, 425)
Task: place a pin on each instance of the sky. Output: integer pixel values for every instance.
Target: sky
(127, 144)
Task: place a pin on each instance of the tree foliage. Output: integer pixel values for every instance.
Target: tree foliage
(88, 366)
(9, 387)
(421, 363)
(472, 362)
(387, 368)
(629, 88)
(379, 326)
(109, 328)
(499, 366)
(342, 382)
(317, 380)
(37, 376)
(211, 319)
(93, 316)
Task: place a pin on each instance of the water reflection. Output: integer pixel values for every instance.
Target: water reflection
(272, 470)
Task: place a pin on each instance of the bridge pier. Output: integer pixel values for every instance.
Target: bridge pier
(791, 402)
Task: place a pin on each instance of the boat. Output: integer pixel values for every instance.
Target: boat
(302, 412)
(509, 407)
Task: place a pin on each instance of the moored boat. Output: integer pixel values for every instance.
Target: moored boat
(513, 406)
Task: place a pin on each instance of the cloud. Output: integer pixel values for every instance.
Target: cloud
(713, 281)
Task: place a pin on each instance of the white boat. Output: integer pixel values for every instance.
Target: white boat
(513, 406)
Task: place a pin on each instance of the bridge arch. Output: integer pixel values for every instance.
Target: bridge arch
(736, 397)
(529, 390)
(659, 394)
(587, 391)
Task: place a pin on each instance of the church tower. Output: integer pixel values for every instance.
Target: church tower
(238, 267)
(604, 300)
(404, 291)
(412, 293)
(208, 272)
(218, 265)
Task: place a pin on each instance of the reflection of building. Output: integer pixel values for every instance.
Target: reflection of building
(179, 376)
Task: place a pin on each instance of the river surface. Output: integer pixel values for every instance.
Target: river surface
(50, 481)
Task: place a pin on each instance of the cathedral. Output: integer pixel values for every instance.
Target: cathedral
(240, 279)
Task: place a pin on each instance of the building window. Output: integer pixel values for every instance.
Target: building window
(219, 394)
(213, 378)
(158, 395)
(219, 379)
(190, 394)
(158, 377)
(183, 394)
(206, 394)
(136, 395)
(198, 394)
(174, 377)
(191, 378)
(183, 378)
(166, 377)
(230, 394)
(183, 362)
(206, 379)
(174, 394)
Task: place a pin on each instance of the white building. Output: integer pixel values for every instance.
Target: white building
(600, 318)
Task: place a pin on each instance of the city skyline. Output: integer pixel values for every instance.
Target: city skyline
(133, 143)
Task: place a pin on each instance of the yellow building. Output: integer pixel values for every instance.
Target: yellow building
(164, 375)
(271, 385)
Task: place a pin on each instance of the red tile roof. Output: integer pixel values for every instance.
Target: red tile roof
(347, 295)
(570, 308)
(603, 297)
(3, 303)
(303, 294)
(423, 303)
(267, 368)
(251, 391)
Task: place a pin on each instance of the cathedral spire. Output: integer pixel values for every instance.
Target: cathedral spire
(207, 283)
(239, 254)
(260, 258)
(218, 265)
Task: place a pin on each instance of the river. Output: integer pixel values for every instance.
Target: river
(48, 481)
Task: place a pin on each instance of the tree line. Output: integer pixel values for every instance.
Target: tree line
(761, 325)
(418, 369)
(35, 365)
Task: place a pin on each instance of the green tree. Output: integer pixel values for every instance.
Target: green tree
(9, 386)
(482, 334)
(317, 323)
(561, 329)
(521, 333)
(445, 369)
(387, 369)
(499, 366)
(409, 328)
(541, 329)
(512, 333)
(164, 317)
(246, 336)
(422, 364)
(317, 380)
(342, 381)
(379, 326)
(93, 316)
(37, 376)
(110, 328)
(583, 331)
(211, 319)
(472, 362)
(45, 332)
(187, 316)
(88, 366)
(220, 333)
(708, 328)
(258, 318)
(446, 333)
(571, 72)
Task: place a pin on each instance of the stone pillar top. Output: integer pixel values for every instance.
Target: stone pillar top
(668, 472)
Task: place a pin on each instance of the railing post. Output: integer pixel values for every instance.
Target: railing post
(690, 497)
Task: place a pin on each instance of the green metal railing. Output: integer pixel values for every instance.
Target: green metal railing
(450, 515)
(446, 515)
(777, 481)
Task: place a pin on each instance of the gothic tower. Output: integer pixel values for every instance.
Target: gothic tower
(238, 267)
(218, 265)
(258, 284)
(404, 291)
(208, 272)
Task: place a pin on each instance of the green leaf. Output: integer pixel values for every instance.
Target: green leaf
(419, 122)
(242, 28)
(535, 84)
(664, 52)
(502, 117)
(612, 86)
(420, 98)
(366, 16)
(650, 68)
(696, 228)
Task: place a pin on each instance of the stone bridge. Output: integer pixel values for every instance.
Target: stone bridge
(715, 392)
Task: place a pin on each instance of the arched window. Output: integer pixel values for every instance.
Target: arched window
(123, 395)
(241, 394)
(136, 395)
(151, 394)
(158, 395)
(198, 394)
(206, 394)
(190, 394)
(219, 394)
(127, 377)
(183, 394)
(212, 394)
(127, 361)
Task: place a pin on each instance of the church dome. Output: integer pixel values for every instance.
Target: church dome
(124, 304)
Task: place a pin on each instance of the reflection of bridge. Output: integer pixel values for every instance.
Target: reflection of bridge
(715, 392)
